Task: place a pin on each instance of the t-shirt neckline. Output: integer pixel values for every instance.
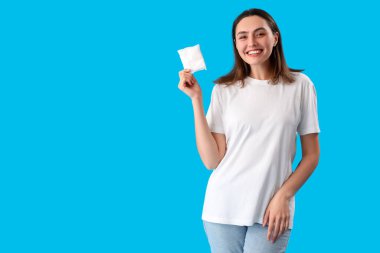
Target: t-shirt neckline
(257, 81)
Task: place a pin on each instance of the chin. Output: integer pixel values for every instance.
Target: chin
(253, 62)
(256, 61)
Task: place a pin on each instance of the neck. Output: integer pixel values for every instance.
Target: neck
(261, 72)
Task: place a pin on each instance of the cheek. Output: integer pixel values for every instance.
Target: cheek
(268, 43)
(242, 54)
(240, 49)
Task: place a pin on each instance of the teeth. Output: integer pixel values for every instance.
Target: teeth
(254, 52)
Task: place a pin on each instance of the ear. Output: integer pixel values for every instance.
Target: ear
(276, 35)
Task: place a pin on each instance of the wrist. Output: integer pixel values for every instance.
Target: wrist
(196, 99)
(285, 194)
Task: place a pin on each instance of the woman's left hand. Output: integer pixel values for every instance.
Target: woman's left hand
(277, 215)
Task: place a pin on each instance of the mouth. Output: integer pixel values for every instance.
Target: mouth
(254, 53)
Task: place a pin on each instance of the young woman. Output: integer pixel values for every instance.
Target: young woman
(248, 138)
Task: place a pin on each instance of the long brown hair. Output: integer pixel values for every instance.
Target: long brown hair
(279, 69)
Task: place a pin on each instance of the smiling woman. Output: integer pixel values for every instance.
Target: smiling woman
(257, 50)
(248, 139)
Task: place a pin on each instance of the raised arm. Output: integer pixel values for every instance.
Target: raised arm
(211, 146)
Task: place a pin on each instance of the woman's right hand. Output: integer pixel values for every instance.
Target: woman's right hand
(188, 84)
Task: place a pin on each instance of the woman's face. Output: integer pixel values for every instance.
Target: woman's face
(254, 40)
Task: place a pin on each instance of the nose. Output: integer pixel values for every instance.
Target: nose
(252, 40)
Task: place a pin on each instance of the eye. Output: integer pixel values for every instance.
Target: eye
(260, 34)
(242, 37)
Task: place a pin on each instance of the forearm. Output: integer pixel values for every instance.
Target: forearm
(303, 171)
(206, 144)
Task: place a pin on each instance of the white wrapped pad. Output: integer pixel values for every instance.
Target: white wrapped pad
(192, 58)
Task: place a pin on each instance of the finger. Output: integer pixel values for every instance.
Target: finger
(191, 79)
(282, 228)
(270, 228)
(188, 75)
(184, 73)
(287, 224)
(276, 229)
(265, 219)
(183, 85)
(185, 80)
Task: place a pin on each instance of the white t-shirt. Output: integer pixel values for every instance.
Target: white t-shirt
(260, 122)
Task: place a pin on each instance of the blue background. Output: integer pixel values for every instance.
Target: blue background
(97, 142)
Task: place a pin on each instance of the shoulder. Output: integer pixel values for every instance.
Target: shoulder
(224, 92)
(302, 80)
(216, 91)
(221, 88)
(228, 86)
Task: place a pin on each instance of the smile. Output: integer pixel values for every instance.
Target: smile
(254, 53)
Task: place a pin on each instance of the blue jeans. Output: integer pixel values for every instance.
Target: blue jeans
(225, 238)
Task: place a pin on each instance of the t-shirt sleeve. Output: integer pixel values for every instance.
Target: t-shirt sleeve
(309, 112)
(215, 111)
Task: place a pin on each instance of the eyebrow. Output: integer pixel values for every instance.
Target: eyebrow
(260, 28)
